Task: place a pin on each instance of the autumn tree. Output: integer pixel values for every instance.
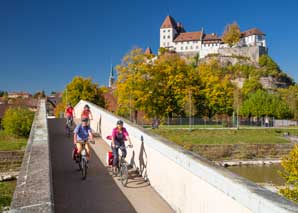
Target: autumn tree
(217, 89)
(232, 34)
(83, 89)
(290, 174)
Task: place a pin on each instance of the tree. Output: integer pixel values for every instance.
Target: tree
(261, 104)
(83, 89)
(232, 34)
(290, 174)
(217, 89)
(290, 96)
(251, 86)
(18, 121)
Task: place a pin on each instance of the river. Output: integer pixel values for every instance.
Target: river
(260, 174)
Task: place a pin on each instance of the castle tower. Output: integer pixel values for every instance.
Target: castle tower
(111, 77)
(168, 32)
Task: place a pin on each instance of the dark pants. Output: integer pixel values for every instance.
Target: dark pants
(116, 153)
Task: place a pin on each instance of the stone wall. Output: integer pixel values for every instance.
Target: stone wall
(10, 160)
(33, 191)
(242, 151)
(253, 52)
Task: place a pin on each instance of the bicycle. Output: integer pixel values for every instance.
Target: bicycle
(68, 126)
(81, 159)
(122, 169)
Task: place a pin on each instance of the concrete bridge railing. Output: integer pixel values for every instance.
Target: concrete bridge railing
(33, 191)
(186, 181)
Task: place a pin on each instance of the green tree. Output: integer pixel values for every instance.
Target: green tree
(18, 121)
(290, 96)
(232, 34)
(251, 86)
(290, 174)
(83, 89)
(261, 104)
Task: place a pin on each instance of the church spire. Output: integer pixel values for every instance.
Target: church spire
(111, 77)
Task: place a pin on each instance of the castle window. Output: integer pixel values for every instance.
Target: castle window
(164, 31)
(191, 47)
(164, 37)
(168, 36)
(168, 30)
(181, 48)
(186, 48)
(164, 44)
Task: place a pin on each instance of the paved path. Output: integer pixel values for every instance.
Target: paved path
(100, 192)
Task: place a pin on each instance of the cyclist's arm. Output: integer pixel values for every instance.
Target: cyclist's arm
(75, 138)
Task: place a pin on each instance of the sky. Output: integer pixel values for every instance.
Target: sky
(44, 44)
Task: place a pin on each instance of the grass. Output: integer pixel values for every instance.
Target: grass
(226, 136)
(10, 143)
(6, 193)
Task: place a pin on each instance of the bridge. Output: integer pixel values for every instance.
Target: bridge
(164, 178)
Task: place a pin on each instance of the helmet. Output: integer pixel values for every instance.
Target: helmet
(119, 122)
(85, 119)
(86, 106)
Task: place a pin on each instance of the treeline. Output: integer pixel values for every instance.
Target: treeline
(168, 86)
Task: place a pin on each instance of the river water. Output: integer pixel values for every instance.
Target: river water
(260, 174)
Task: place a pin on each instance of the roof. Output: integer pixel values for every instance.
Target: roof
(212, 36)
(148, 51)
(190, 36)
(169, 22)
(253, 31)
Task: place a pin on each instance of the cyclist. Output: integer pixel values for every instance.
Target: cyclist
(69, 114)
(86, 113)
(83, 133)
(119, 135)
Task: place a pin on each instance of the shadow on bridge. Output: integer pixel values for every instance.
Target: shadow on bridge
(98, 193)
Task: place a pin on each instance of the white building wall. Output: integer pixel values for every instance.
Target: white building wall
(166, 37)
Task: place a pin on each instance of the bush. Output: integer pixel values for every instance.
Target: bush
(290, 174)
(18, 121)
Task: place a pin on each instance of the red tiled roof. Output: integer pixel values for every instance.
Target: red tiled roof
(148, 51)
(212, 36)
(169, 22)
(190, 36)
(253, 31)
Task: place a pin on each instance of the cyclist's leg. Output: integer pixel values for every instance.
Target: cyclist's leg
(123, 150)
(115, 157)
(87, 146)
(79, 147)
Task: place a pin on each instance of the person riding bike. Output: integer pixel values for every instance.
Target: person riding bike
(83, 133)
(69, 114)
(86, 113)
(119, 135)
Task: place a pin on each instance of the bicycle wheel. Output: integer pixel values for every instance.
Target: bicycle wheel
(84, 168)
(124, 174)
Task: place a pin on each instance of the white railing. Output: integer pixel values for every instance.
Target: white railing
(185, 180)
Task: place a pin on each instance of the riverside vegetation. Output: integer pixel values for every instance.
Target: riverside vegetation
(17, 124)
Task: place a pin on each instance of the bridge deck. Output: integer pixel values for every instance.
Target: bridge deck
(100, 192)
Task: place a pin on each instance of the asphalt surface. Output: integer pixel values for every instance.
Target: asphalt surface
(100, 192)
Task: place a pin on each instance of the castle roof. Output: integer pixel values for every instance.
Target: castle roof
(253, 31)
(148, 51)
(189, 36)
(169, 22)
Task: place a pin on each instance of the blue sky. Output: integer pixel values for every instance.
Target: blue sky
(44, 44)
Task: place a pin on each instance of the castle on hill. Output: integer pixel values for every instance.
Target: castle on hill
(174, 37)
